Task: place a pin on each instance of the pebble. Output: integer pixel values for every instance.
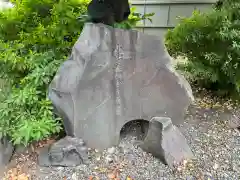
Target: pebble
(98, 158)
(111, 176)
(74, 176)
(96, 150)
(111, 150)
(109, 159)
(216, 166)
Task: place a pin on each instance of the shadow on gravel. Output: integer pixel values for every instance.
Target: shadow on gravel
(135, 128)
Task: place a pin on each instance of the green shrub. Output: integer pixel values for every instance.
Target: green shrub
(211, 42)
(133, 19)
(26, 114)
(36, 36)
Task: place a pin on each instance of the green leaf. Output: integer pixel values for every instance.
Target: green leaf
(36, 36)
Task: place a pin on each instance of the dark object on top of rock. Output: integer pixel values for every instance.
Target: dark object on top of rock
(108, 11)
(219, 4)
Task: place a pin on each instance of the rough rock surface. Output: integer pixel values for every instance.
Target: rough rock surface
(115, 76)
(166, 142)
(234, 120)
(6, 151)
(65, 152)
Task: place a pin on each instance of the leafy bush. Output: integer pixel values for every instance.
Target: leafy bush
(133, 19)
(36, 36)
(26, 114)
(211, 42)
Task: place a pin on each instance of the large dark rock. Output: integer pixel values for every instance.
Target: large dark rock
(6, 151)
(114, 76)
(108, 11)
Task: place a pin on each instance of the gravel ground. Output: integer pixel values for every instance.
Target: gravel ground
(216, 148)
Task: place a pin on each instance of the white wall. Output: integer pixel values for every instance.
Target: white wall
(4, 4)
(167, 12)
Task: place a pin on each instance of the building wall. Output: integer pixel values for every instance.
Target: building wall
(167, 12)
(4, 4)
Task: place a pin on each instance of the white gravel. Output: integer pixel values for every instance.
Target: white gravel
(216, 148)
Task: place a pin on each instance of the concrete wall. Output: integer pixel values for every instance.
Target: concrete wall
(4, 4)
(167, 12)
